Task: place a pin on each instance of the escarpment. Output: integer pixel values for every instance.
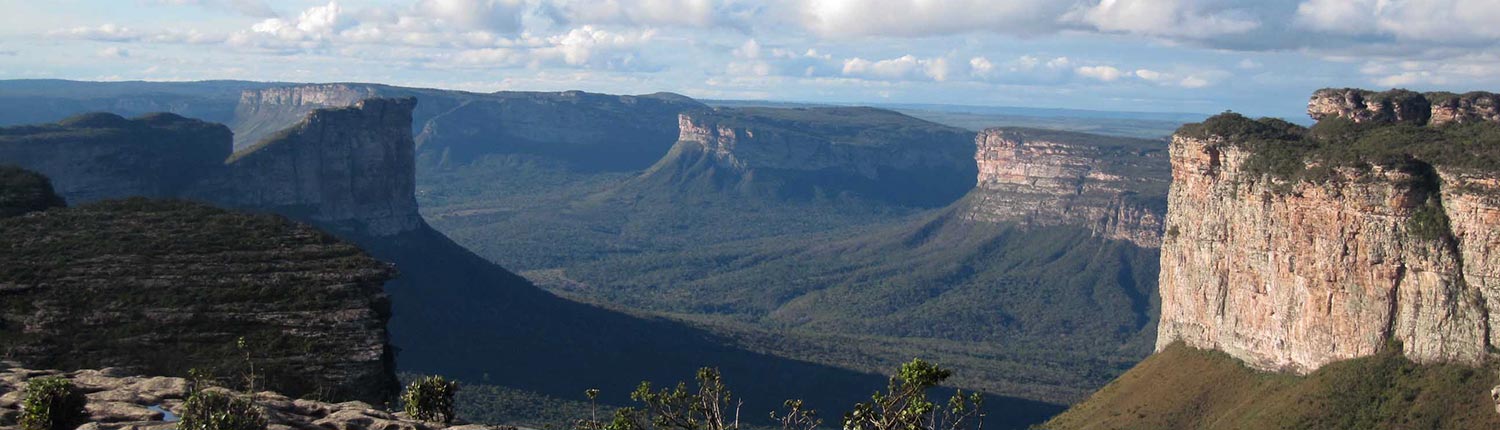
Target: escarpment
(1401, 106)
(348, 169)
(160, 287)
(1115, 187)
(1291, 248)
(816, 153)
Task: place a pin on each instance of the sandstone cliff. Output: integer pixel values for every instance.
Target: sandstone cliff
(161, 287)
(816, 153)
(1404, 106)
(1115, 187)
(262, 113)
(347, 169)
(1290, 260)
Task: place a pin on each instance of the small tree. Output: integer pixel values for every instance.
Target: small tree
(905, 406)
(217, 410)
(797, 418)
(52, 403)
(430, 399)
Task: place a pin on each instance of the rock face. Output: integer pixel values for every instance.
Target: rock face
(1401, 106)
(1294, 275)
(118, 400)
(813, 153)
(161, 287)
(348, 169)
(1115, 187)
(454, 129)
(345, 169)
(96, 156)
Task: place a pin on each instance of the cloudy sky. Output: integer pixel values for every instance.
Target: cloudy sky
(1262, 57)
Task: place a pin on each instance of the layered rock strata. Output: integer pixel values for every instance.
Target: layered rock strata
(161, 287)
(1114, 187)
(1293, 275)
(1401, 106)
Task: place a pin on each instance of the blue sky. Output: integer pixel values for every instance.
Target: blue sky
(1259, 57)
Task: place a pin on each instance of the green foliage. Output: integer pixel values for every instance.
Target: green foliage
(430, 399)
(212, 409)
(52, 403)
(1182, 387)
(23, 191)
(710, 407)
(1429, 222)
(904, 405)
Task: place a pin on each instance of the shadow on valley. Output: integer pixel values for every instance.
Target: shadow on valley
(456, 314)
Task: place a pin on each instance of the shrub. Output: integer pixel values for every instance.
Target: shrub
(904, 406)
(52, 403)
(217, 410)
(430, 399)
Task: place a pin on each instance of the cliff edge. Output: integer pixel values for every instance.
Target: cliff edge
(1291, 248)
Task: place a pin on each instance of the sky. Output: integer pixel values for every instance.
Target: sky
(1202, 56)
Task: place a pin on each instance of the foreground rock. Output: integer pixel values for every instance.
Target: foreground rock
(117, 400)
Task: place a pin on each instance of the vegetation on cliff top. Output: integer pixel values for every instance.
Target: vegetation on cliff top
(23, 191)
(1182, 387)
(1292, 152)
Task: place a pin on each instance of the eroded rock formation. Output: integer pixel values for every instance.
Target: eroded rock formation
(1114, 187)
(1295, 274)
(813, 153)
(1402, 106)
(161, 287)
(349, 169)
(119, 400)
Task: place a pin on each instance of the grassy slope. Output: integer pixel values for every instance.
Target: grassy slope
(1182, 387)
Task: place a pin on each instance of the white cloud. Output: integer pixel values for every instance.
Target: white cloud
(117, 33)
(113, 52)
(1452, 21)
(503, 16)
(1185, 78)
(1181, 18)
(251, 8)
(1102, 73)
(848, 18)
(906, 67)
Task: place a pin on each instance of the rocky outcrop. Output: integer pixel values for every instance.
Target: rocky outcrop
(97, 156)
(1402, 106)
(818, 153)
(348, 169)
(1114, 187)
(119, 400)
(161, 287)
(1294, 274)
(263, 112)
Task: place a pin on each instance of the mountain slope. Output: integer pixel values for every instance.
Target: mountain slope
(1181, 387)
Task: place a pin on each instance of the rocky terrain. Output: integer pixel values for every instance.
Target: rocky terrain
(1347, 256)
(348, 169)
(454, 129)
(117, 399)
(815, 154)
(161, 287)
(1114, 187)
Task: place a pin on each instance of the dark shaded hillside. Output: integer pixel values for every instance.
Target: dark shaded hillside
(161, 287)
(31, 101)
(1181, 387)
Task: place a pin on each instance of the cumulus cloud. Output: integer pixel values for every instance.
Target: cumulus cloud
(117, 33)
(848, 18)
(906, 67)
(753, 59)
(1182, 78)
(1180, 18)
(503, 16)
(1452, 21)
(1102, 73)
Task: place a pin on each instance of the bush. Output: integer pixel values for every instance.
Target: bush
(904, 405)
(217, 410)
(430, 399)
(52, 403)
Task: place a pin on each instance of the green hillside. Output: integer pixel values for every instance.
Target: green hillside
(1186, 388)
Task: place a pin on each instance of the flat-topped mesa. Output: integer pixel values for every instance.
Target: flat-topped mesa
(1115, 187)
(816, 153)
(1291, 265)
(348, 169)
(263, 112)
(1402, 106)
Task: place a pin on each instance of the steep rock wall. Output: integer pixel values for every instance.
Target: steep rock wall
(349, 169)
(1113, 187)
(262, 113)
(1292, 275)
